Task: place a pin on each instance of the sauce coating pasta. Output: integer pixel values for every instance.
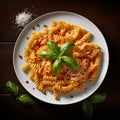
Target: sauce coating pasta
(86, 53)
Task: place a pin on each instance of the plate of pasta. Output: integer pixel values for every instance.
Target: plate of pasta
(61, 58)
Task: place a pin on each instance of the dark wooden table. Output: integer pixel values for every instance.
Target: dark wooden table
(106, 15)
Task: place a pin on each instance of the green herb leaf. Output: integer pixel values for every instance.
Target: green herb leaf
(48, 55)
(97, 97)
(87, 109)
(57, 65)
(66, 47)
(53, 47)
(70, 62)
(12, 88)
(55, 53)
(25, 99)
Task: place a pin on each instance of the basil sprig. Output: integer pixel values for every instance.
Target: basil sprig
(22, 98)
(87, 104)
(59, 55)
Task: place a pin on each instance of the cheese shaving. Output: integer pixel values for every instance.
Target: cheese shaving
(23, 18)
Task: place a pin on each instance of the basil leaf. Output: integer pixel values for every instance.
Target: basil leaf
(48, 55)
(57, 65)
(13, 88)
(25, 99)
(87, 109)
(66, 47)
(97, 97)
(53, 47)
(70, 62)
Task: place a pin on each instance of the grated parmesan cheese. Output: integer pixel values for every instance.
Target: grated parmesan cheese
(23, 18)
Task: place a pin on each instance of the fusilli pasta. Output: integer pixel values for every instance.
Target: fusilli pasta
(86, 53)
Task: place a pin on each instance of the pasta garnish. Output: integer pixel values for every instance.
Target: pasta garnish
(86, 53)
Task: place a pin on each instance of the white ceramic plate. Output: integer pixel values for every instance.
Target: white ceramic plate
(46, 19)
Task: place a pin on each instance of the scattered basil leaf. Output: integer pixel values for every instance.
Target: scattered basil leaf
(12, 88)
(70, 62)
(53, 47)
(87, 109)
(25, 99)
(97, 97)
(48, 55)
(66, 47)
(57, 65)
(87, 105)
